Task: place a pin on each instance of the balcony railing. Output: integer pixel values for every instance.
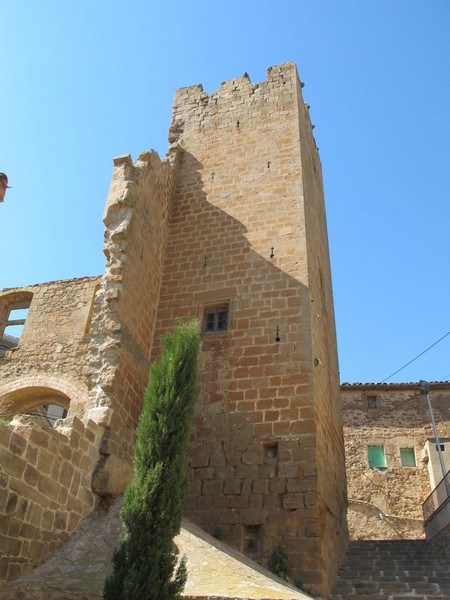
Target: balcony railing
(436, 508)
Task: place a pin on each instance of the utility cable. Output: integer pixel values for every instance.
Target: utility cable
(416, 357)
(406, 365)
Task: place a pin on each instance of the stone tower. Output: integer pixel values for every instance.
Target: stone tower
(247, 254)
(229, 228)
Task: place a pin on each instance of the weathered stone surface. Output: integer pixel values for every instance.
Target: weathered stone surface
(243, 147)
(386, 502)
(112, 477)
(78, 569)
(234, 216)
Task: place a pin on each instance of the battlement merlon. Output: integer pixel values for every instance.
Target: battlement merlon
(128, 174)
(194, 106)
(275, 74)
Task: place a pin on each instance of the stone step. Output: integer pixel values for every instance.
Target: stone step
(392, 574)
(381, 596)
(392, 570)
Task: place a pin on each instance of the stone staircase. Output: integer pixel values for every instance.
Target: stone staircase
(393, 570)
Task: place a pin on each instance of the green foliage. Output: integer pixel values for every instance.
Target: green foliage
(218, 533)
(279, 563)
(5, 421)
(145, 564)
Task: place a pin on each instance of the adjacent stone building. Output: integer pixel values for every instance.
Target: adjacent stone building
(391, 455)
(230, 227)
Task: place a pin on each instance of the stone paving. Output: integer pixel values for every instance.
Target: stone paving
(78, 569)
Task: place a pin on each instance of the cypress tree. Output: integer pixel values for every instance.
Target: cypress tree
(144, 563)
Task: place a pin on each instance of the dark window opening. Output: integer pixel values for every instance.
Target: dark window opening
(271, 459)
(271, 451)
(251, 539)
(216, 319)
(372, 402)
(13, 325)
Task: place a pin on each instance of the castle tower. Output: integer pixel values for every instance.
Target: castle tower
(247, 254)
(230, 227)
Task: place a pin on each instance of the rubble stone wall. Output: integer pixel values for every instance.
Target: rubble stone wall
(400, 420)
(53, 343)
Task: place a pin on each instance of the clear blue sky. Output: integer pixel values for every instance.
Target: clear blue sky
(84, 81)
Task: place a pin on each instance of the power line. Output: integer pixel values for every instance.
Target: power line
(395, 373)
(416, 357)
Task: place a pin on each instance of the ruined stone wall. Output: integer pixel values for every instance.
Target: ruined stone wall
(136, 222)
(45, 473)
(237, 239)
(53, 345)
(400, 420)
(45, 487)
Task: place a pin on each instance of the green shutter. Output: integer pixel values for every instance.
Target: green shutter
(408, 457)
(377, 457)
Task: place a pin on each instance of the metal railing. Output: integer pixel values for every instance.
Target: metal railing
(438, 497)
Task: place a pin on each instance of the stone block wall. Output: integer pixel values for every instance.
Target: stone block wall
(386, 503)
(45, 487)
(330, 454)
(237, 239)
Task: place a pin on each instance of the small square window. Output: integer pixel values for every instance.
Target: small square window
(372, 402)
(271, 459)
(270, 451)
(408, 457)
(215, 319)
(377, 457)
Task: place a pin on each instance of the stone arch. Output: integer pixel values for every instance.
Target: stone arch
(26, 393)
